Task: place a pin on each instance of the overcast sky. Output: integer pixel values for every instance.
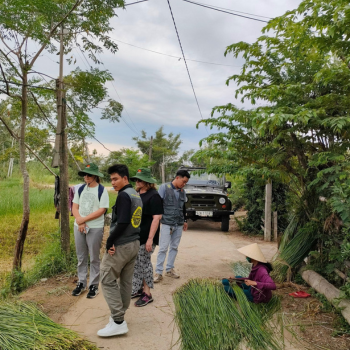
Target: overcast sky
(155, 89)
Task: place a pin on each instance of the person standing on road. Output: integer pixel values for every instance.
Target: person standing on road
(90, 203)
(149, 236)
(173, 222)
(122, 248)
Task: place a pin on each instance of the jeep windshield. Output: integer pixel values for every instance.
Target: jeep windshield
(204, 180)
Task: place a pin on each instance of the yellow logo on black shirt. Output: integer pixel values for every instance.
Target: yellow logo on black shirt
(136, 217)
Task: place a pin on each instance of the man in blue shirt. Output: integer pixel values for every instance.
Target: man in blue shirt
(173, 222)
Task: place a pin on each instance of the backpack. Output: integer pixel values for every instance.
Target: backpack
(100, 191)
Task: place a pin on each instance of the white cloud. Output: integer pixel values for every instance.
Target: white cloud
(155, 89)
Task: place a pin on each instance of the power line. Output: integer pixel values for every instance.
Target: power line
(183, 55)
(89, 133)
(123, 119)
(133, 130)
(177, 57)
(20, 84)
(246, 13)
(230, 13)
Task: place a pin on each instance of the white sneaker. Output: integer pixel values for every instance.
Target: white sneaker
(113, 329)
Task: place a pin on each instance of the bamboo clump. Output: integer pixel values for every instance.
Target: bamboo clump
(208, 319)
(24, 326)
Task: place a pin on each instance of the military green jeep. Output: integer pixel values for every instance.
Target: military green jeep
(207, 197)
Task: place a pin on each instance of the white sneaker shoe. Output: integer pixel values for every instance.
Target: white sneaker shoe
(113, 329)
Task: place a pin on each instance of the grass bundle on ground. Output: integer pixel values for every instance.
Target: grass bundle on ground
(24, 326)
(208, 319)
(292, 254)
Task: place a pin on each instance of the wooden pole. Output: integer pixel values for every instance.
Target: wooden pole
(275, 227)
(268, 200)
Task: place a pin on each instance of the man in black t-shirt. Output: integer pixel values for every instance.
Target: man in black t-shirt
(121, 251)
(152, 211)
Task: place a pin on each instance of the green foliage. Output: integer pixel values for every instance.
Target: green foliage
(236, 192)
(326, 305)
(164, 149)
(131, 157)
(299, 134)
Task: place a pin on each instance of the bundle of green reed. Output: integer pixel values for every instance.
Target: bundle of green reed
(208, 319)
(292, 254)
(240, 268)
(24, 326)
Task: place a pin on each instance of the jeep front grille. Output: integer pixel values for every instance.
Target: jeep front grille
(203, 203)
(201, 196)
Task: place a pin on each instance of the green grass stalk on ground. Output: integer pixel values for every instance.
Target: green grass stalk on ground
(208, 319)
(25, 326)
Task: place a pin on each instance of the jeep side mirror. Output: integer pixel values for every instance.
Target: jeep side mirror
(228, 184)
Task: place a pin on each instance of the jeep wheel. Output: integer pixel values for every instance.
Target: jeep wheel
(225, 223)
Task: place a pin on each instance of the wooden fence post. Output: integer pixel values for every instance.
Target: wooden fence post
(268, 200)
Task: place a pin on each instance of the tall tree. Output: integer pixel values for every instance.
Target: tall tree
(165, 149)
(300, 133)
(23, 23)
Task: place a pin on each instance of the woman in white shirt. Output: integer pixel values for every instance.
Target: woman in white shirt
(90, 203)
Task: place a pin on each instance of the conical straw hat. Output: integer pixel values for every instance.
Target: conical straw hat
(253, 251)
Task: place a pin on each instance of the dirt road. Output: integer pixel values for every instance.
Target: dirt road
(204, 251)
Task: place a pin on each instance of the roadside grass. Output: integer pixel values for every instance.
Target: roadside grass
(42, 255)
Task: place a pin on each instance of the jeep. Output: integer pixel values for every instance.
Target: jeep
(207, 197)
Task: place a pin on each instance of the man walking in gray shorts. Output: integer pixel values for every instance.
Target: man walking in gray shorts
(122, 248)
(89, 206)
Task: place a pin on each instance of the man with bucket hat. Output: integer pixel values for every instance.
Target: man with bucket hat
(89, 206)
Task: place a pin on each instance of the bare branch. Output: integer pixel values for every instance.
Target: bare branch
(12, 65)
(29, 149)
(8, 47)
(6, 82)
(41, 110)
(78, 2)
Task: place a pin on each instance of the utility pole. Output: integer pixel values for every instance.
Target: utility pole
(60, 156)
(150, 149)
(268, 200)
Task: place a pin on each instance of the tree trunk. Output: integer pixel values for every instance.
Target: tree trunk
(17, 260)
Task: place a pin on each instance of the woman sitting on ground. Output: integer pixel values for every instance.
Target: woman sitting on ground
(152, 211)
(259, 285)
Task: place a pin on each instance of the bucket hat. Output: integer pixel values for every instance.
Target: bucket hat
(144, 174)
(253, 251)
(91, 169)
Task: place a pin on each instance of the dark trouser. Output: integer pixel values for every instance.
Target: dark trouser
(231, 293)
(119, 265)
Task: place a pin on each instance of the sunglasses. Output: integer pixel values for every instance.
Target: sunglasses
(137, 180)
(88, 175)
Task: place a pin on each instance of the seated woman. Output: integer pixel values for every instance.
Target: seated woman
(258, 286)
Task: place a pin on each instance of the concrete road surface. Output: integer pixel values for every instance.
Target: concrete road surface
(204, 251)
